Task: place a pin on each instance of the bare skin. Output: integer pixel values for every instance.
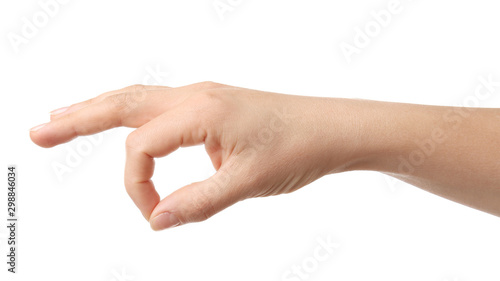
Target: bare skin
(264, 144)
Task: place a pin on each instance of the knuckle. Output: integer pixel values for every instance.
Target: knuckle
(211, 105)
(133, 141)
(212, 98)
(134, 88)
(117, 102)
(216, 105)
(130, 96)
(209, 95)
(210, 85)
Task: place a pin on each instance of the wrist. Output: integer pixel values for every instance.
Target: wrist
(345, 134)
(387, 134)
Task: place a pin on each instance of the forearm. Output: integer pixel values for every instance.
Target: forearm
(452, 152)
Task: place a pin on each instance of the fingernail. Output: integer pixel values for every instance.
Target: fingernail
(58, 111)
(37, 127)
(164, 221)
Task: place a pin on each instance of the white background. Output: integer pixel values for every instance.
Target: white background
(84, 226)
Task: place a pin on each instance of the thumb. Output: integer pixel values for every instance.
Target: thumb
(197, 201)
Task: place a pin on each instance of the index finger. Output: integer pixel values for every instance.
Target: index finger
(107, 111)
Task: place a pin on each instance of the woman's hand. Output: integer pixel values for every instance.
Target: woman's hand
(265, 144)
(260, 143)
